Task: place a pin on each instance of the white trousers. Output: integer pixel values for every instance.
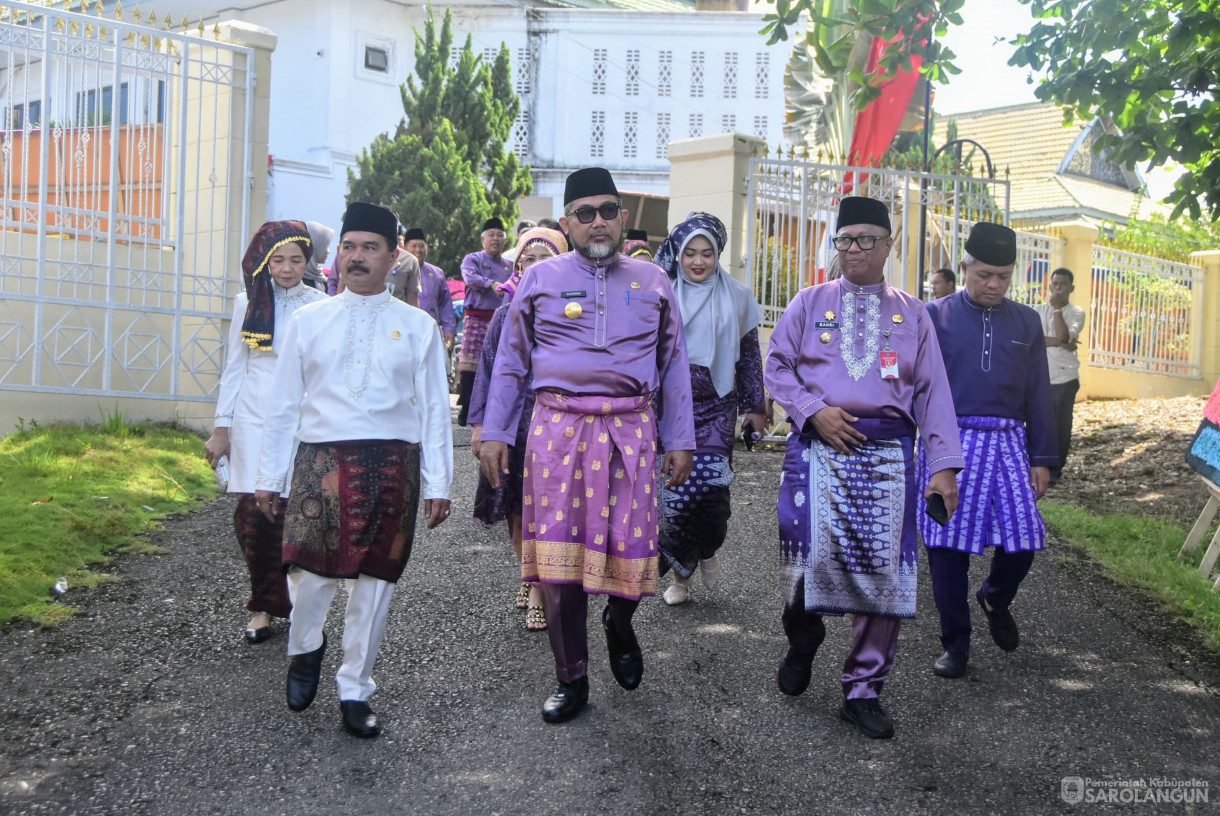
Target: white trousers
(368, 603)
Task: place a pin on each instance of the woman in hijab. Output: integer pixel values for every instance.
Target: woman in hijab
(320, 236)
(720, 317)
(493, 505)
(274, 269)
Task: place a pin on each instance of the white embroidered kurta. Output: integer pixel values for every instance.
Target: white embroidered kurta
(246, 383)
(355, 367)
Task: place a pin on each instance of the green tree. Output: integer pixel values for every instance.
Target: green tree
(445, 170)
(1149, 64)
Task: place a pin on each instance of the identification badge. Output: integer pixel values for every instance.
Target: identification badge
(574, 293)
(889, 365)
(827, 324)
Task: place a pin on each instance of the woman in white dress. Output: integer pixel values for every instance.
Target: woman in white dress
(273, 268)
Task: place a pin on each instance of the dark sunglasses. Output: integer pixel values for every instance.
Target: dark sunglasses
(608, 211)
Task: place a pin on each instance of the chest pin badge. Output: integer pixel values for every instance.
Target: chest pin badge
(897, 318)
(825, 337)
(635, 285)
(573, 310)
(830, 315)
(394, 335)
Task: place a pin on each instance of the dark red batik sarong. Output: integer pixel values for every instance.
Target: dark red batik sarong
(260, 541)
(352, 508)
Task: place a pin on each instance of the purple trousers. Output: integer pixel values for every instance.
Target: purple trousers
(567, 606)
(874, 640)
(951, 588)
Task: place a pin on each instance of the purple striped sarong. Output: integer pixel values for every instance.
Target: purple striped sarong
(589, 511)
(997, 506)
(847, 523)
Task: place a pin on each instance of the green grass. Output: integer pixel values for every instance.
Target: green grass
(1142, 553)
(72, 495)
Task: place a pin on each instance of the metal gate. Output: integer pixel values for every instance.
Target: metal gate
(125, 165)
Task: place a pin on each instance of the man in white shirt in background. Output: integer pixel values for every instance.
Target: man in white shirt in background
(1062, 323)
(361, 397)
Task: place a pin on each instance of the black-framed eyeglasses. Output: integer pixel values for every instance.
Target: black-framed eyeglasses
(608, 211)
(865, 242)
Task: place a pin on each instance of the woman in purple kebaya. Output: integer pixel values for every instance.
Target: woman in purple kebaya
(720, 318)
(493, 505)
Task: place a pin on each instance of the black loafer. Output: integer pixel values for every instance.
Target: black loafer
(951, 664)
(303, 673)
(257, 635)
(868, 718)
(794, 673)
(566, 701)
(1003, 627)
(626, 661)
(358, 719)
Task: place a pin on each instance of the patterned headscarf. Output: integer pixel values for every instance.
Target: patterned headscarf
(258, 328)
(537, 235)
(638, 249)
(717, 312)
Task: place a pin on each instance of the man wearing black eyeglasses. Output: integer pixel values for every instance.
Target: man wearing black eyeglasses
(599, 333)
(856, 366)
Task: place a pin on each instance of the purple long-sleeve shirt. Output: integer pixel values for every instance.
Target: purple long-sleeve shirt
(609, 328)
(482, 272)
(435, 298)
(996, 361)
(825, 351)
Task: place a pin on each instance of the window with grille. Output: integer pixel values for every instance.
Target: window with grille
(522, 85)
(455, 54)
(730, 75)
(760, 127)
(631, 135)
(696, 74)
(663, 121)
(489, 55)
(696, 125)
(728, 123)
(597, 135)
(599, 71)
(762, 75)
(665, 73)
(521, 136)
(633, 73)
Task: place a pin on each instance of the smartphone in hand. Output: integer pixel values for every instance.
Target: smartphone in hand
(936, 509)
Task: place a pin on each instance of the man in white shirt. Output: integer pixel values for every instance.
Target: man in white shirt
(358, 426)
(1062, 323)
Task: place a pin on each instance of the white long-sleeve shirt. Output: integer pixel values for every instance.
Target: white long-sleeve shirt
(356, 367)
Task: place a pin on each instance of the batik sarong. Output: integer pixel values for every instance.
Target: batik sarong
(352, 508)
(474, 331)
(590, 514)
(695, 515)
(261, 543)
(847, 523)
(997, 506)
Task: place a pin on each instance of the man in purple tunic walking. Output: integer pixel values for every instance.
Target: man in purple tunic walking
(434, 296)
(995, 356)
(856, 366)
(481, 271)
(599, 333)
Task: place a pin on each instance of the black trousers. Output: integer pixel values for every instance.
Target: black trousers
(1064, 398)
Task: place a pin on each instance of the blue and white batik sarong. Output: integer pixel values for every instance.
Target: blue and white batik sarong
(997, 506)
(695, 515)
(847, 523)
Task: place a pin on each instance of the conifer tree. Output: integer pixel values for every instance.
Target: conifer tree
(445, 170)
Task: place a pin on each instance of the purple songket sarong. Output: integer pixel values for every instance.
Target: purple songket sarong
(847, 523)
(590, 511)
(997, 506)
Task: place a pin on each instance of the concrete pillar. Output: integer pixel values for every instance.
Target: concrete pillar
(1079, 238)
(710, 174)
(1209, 320)
(263, 42)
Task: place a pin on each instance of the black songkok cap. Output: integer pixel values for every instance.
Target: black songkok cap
(637, 235)
(492, 223)
(860, 210)
(415, 234)
(362, 217)
(589, 182)
(993, 244)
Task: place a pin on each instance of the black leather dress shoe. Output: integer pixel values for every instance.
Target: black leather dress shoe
(868, 718)
(794, 673)
(1003, 627)
(951, 664)
(358, 719)
(566, 701)
(257, 635)
(626, 663)
(303, 673)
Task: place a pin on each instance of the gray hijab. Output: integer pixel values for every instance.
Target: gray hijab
(321, 236)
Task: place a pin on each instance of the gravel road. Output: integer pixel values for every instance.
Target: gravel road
(149, 702)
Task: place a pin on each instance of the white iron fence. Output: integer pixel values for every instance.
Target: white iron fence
(791, 216)
(1146, 313)
(125, 162)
